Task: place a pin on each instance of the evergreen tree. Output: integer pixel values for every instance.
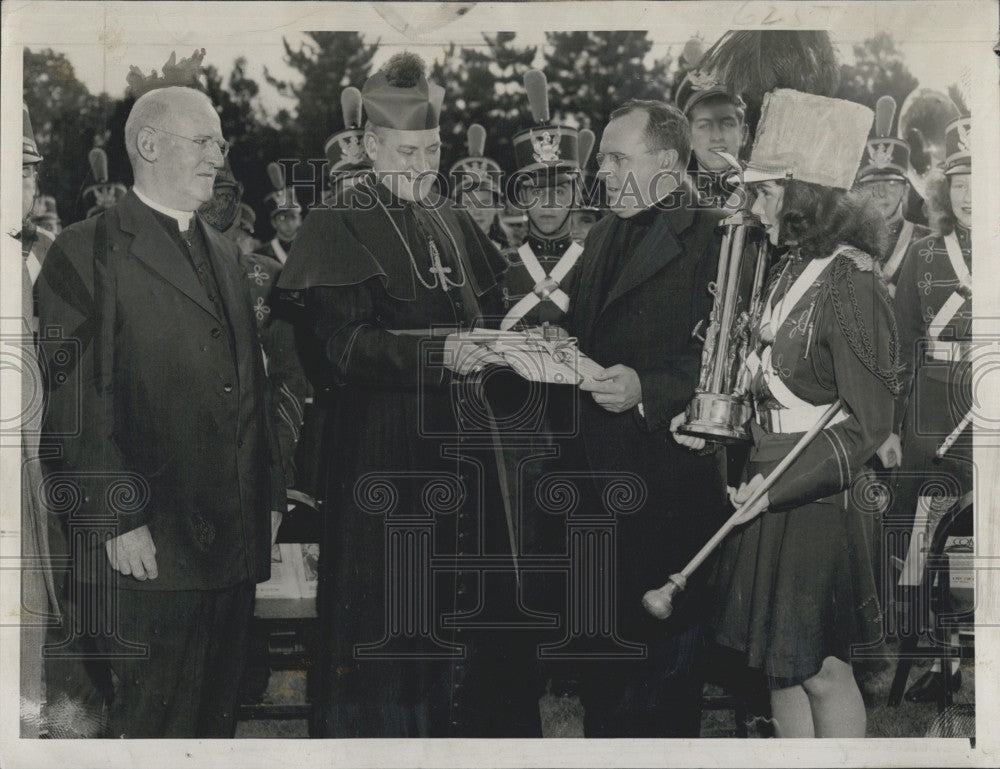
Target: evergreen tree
(68, 121)
(878, 70)
(592, 73)
(483, 85)
(254, 138)
(328, 62)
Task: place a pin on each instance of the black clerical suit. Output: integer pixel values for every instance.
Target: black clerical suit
(157, 399)
(642, 288)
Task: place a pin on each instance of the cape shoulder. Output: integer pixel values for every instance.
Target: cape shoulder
(859, 260)
(328, 251)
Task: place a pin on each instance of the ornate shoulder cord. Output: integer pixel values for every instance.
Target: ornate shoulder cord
(857, 332)
(438, 269)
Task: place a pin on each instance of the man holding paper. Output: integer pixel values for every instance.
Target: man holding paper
(410, 625)
(642, 289)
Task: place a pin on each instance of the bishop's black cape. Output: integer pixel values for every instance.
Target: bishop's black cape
(413, 480)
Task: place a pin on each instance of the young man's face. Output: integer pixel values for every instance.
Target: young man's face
(549, 203)
(29, 187)
(287, 223)
(887, 195)
(715, 125)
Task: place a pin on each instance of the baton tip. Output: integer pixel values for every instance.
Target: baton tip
(656, 604)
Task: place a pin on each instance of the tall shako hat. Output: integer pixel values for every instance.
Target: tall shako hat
(586, 146)
(400, 96)
(544, 150)
(697, 85)
(476, 171)
(29, 149)
(105, 193)
(808, 138)
(282, 198)
(345, 150)
(886, 157)
(958, 147)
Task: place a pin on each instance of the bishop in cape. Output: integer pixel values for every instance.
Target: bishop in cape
(419, 639)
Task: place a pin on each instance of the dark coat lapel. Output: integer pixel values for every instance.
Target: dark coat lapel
(659, 247)
(153, 247)
(587, 303)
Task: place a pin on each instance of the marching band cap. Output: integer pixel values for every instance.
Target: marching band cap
(958, 147)
(476, 171)
(29, 149)
(808, 138)
(545, 151)
(887, 157)
(344, 150)
(283, 198)
(105, 192)
(400, 96)
(697, 85)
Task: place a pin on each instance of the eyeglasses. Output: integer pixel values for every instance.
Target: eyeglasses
(618, 159)
(28, 171)
(202, 141)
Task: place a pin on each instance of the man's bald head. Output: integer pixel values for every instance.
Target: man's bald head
(154, 109)
(174, 141)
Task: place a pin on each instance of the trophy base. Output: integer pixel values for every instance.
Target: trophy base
(717, 417)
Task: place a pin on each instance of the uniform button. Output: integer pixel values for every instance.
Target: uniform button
(216, 332)
(227, 387)
(211, 297)
(239, 444)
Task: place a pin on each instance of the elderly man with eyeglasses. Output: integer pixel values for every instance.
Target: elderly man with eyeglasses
(643, 287)
(157, 400)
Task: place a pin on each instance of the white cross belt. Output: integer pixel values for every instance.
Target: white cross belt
(546, 285)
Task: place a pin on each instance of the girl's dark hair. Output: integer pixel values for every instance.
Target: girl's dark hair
(940, 215)
(820, 218)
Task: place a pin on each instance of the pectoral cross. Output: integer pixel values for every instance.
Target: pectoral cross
(439, 270)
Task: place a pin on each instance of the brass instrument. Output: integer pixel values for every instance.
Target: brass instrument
(720, 408)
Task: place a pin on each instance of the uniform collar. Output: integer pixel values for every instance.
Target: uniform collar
(548, 246)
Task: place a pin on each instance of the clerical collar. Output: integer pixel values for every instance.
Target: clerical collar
(646, 215)
(183, 218)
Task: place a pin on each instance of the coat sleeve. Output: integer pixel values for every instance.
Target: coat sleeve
(80, 400)
(361, 351)
(291, 387)
(828, 465)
